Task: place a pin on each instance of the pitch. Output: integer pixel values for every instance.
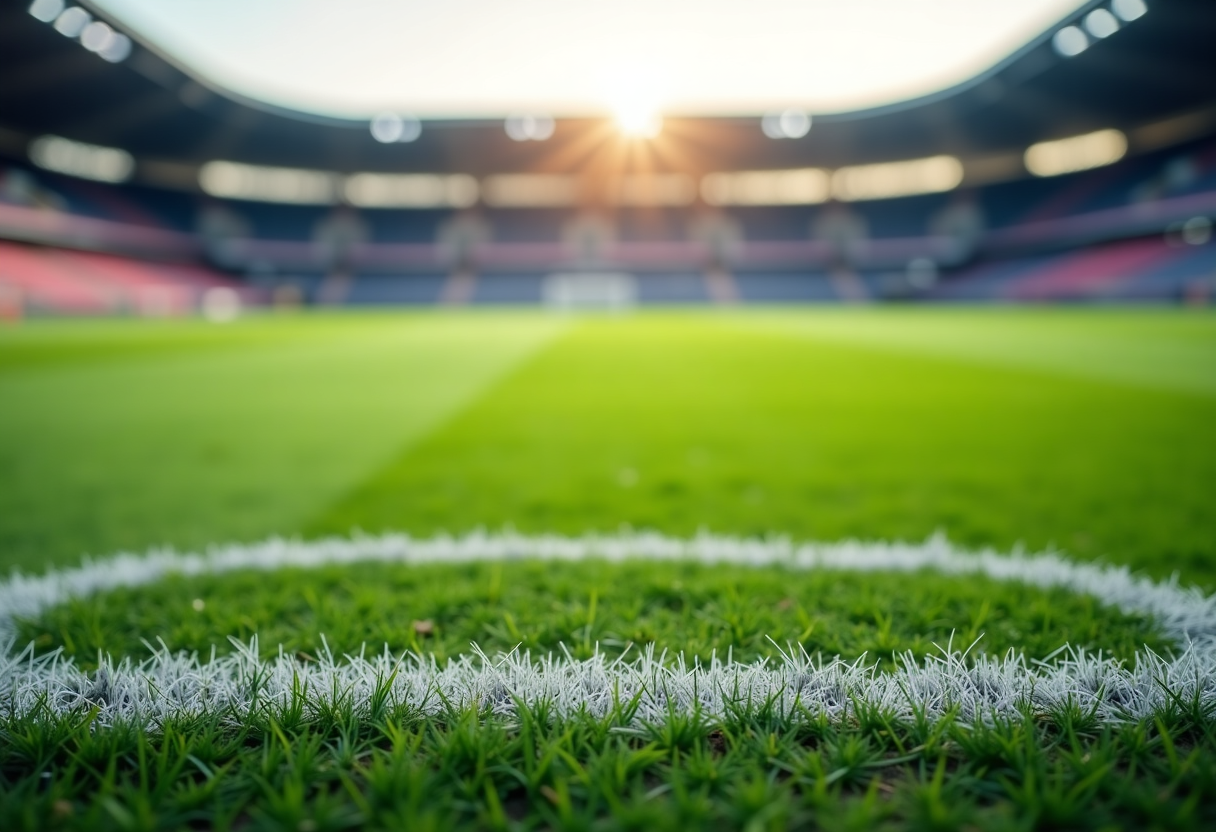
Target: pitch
(1085, 432)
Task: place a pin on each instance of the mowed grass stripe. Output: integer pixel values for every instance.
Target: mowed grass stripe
(682, 421)
(132, 436)
(1161, 349)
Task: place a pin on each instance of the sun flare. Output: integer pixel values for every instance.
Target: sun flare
(638, 119)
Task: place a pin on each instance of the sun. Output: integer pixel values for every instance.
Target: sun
(638, 119)
(634, 97)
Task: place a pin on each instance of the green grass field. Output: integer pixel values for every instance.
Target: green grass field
(1086, 431)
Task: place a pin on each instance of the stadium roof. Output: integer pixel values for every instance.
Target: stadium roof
(1151, 78)
(486, 58)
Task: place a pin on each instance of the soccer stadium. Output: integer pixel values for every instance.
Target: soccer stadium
(571, 415)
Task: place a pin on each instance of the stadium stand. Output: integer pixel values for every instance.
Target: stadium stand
(51, 279)
(1104, 235)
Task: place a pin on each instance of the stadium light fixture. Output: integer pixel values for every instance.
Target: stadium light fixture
(800, 186)
(391, 128)
(1076, 153)
(117, 50)
(410, 190)
(265, 184)
(892, 179)
(96, 36)
(72, 22)
(530, 190)
(1128, 10)
(819, 56)
(1101, 23)
(88, 161)
(1070, 41)
(654, 189)
(46, 10)
(529, 128)
(786, 124)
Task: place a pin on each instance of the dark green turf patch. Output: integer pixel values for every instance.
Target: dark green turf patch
(542, 606)
(342, 770)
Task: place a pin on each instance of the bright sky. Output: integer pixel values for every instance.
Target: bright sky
(489, 58)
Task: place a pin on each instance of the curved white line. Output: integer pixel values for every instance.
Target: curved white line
(978, 687)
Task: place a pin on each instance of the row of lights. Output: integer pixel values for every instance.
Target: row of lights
(530, 128)
(74, 22)
(394, 128)
(1075, 153)
(810, 186)
(87, 161)
(391, 128)
(806, 186)
(787, 124)
(1100, 23)
(801, 186)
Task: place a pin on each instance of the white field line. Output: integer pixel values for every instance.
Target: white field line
(978, 687)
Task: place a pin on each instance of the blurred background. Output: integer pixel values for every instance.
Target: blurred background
(172, 157)
(165, 164)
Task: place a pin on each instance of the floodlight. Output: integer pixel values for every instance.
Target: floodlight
(89, 161)
(117, 49)
(72, 22)
(654, 189)
(1070, 41)
(532, 190)
(528, 127)
(786, 124)
(1075, 153)
(802, 186)
(389, 128)
(1128, 10)
(97, 36)
(266, 184)
(1101, 23)
(46, 10)
(386, 128)
(410, 190)
(891, 179)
